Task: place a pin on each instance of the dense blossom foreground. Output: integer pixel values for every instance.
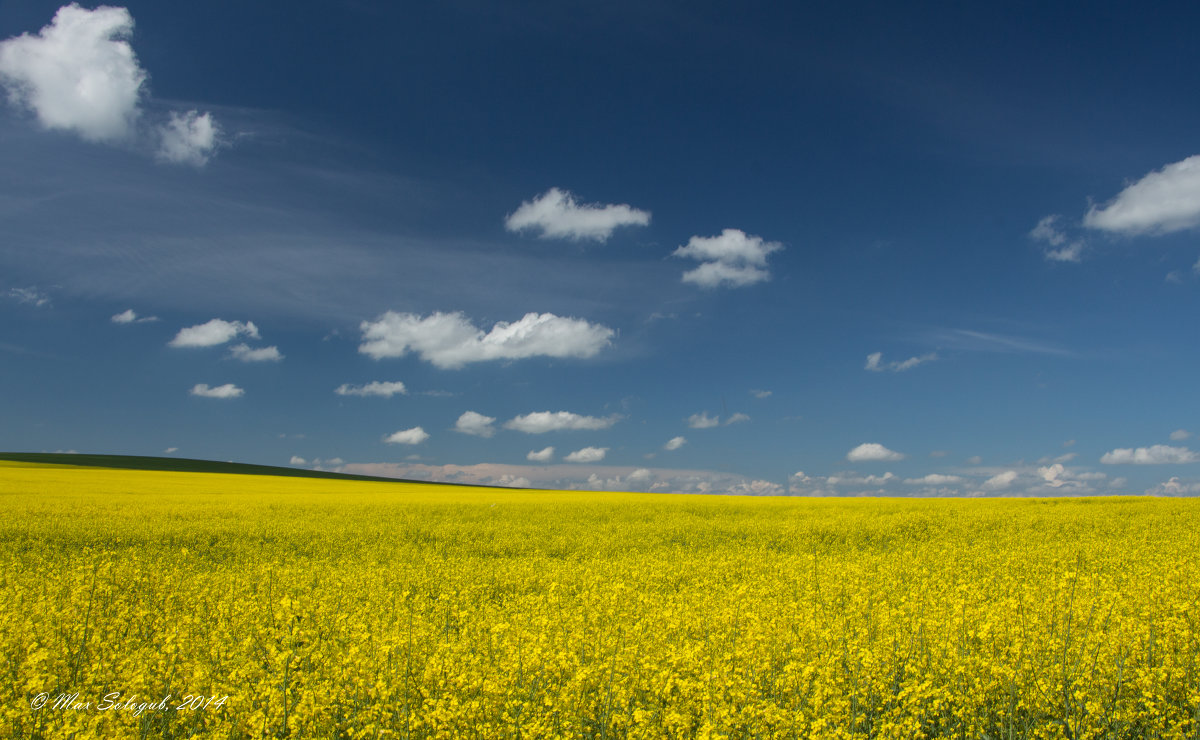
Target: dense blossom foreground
(287, 607)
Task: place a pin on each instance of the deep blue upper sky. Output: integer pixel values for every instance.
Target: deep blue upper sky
(843, 249)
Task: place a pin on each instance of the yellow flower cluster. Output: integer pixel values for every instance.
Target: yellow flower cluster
(172, 605)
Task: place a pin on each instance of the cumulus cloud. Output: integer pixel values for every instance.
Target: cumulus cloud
(246, 353)
(213, 333)
(703, 421)
(675, 443)
(934, 479)
(737, 418)
(587, 455)
(873, 452)
(1000, 481)
(557, 215)
(383, 389)
(761, 394)
(1175, 487)
(475, 424)
(1153, 455)
(77, 74)
(1048, 232)
(188, 138)
(449, 340)
(129, 316)
(1162, 202)
(545, 455)
(80, 74)
(414, 436)
(1180, 434)
(876, 364)
(541, 422)
(733, 258)
(297, 460)
(513, 481)
(229, 390)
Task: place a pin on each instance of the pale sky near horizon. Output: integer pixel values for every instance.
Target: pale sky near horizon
(700, 247)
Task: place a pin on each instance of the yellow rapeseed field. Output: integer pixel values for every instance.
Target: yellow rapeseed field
(171, 605)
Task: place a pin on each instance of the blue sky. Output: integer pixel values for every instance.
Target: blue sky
(688, 246)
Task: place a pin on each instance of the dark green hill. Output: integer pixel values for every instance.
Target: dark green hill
(182, 465)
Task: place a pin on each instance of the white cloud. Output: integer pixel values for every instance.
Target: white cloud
(675, 443)
(170, 450)
(703, 421)
(873, 452)
(1175, 487)
(545, 455)
(540, 422)
(1048, 232)
(974, 460)
(78, 73)
(297, 460)
(733, 259)
(934, 479)
(761, 394)
(384, 389)
(129, 316)
(1153, 455)
(414, 436)
(587, 455)
(449, 340)
(575, 476)
(29, 296)
(875, 362)
(212, 333)
(1000, 481)
(1162, 202)
(245, 353)
(1054, 475)
(188, 138)
(1180, 434)
(737, 418)
(229, 390)
(557, 214)
(514, 481)
(854, 479)
(475, 424)
(1073, 252)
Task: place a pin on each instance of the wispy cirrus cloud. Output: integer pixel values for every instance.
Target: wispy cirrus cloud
(556, 214)
(450, 340)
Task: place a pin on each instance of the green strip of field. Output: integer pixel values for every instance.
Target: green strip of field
(183, 465)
